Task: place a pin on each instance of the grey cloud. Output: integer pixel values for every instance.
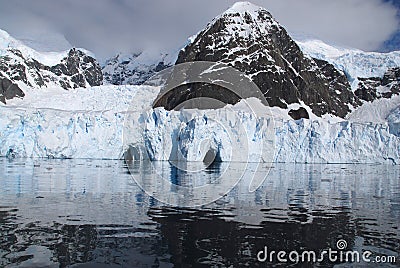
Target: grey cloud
(109, 26)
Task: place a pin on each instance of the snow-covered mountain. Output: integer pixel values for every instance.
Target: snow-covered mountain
(109, 121)
(23, 68)
(136, 68)
(364, 70)
(249, 39)
(353, 62)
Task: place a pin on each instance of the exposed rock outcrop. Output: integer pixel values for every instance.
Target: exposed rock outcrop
(370, 89)
(299, 113)
(75, 70)
(134, 69)
(249, 39)
(9, 90)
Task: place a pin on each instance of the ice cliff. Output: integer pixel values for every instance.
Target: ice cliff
(169, 135)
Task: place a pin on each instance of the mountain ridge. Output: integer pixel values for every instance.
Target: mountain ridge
(249, 39)
(23, 68)
(254, 43)
(136, 68)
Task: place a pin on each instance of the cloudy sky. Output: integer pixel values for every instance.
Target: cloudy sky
(108, 26)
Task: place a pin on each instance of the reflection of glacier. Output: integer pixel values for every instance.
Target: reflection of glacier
(49, 133)
(107, 186)
(294, 190)
(86, 210)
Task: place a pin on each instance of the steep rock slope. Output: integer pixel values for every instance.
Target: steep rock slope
(21, 66)
(370, 89)
(249, 39)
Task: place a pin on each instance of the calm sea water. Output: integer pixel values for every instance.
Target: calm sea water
(87, 213)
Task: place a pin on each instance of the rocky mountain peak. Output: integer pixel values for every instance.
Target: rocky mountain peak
(244, 20)
(24, 68)
(82, 69)
(242, 13)
(135, 68)
(249, 39)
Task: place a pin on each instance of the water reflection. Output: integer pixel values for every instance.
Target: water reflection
(83, 213)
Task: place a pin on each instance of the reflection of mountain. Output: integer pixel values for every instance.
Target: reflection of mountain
(210, 240)
(62, 245)
(82, 211)
(7, 232)
(299, 207)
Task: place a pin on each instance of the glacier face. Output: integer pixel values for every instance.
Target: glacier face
(190, 135)
(230, 135)
(302, 141)
(81, 123)
(394, 121)
(94, 122)
(52, 133)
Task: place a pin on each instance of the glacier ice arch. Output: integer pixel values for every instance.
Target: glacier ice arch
(198, 130)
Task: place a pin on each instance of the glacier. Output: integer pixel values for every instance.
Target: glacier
(302, 141)
(108, 122)
(231, 133)
(394, 121)
(59, 134)
(354, 63)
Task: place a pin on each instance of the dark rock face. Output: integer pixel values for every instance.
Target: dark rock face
(129, 71)
(370, 89)
(367, 87)
(14, 67)
(196, 95)
(299, 114)
(81, 68)
(75, 70)
(9, 90)
(255, 44)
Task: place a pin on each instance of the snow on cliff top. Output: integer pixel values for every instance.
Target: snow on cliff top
(260, 24)
(241, 7)
(354, 62)
(315, 47)
(91, 99)
(47, 58)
